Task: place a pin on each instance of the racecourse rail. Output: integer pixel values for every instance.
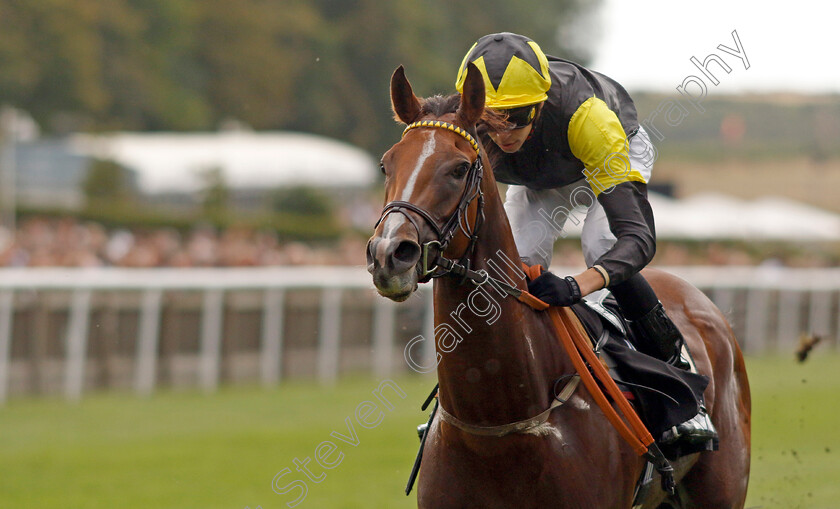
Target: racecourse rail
(768, 307)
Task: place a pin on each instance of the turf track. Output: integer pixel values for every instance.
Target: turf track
(190, 450)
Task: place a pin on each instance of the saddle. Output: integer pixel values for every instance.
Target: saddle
(663, 395)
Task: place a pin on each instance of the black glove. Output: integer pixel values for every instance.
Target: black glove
(554, 290)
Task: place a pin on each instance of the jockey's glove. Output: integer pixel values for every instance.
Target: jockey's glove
(555, 290)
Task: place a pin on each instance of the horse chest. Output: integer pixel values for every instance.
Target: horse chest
(541, 469)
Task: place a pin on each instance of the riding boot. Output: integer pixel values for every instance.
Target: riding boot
(657, 335)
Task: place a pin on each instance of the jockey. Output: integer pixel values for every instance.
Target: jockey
(574, 141)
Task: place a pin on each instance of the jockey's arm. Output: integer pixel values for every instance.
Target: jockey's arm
(590, 280)
(597, 138)
(631, 221)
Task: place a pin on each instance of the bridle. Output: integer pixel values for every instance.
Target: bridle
(432, 264)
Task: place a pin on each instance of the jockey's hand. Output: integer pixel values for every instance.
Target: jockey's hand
(555, 290)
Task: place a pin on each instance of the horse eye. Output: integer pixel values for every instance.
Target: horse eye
(460, 170)
(382, 167)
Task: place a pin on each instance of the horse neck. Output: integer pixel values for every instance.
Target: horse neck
(496, 356)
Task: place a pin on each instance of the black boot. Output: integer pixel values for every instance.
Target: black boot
(656, 335)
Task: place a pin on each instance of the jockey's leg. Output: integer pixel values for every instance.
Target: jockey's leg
(537, 219)
(656, 334)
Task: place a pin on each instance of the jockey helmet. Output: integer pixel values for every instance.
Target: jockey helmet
(514, 68)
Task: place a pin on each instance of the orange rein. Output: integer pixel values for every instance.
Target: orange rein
(577, 346)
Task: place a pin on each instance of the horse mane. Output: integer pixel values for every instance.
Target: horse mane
(440, 105)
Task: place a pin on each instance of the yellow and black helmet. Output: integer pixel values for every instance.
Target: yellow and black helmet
(514, 67)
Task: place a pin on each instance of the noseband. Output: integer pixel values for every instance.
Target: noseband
(432, 263)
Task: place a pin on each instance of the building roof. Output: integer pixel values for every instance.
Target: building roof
(173, 162)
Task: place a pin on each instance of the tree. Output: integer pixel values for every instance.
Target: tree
(107, 183)
(215, 195)
(319, 66)
(301, 200)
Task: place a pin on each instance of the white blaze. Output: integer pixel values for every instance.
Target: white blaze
(428, 149)
(392, 223)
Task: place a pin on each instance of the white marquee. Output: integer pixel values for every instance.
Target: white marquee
(173, 162)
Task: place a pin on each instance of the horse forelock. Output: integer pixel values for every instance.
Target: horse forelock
(440, 105)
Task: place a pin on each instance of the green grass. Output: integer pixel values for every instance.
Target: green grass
(796, 433)
(189, 450)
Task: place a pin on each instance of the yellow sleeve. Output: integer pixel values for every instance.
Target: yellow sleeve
(598, 140)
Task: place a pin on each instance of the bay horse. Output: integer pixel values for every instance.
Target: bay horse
(497, 358)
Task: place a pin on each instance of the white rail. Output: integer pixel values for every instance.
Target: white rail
(768, 307)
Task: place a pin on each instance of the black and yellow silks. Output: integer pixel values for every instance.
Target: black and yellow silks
(582, 133)
(586, 121)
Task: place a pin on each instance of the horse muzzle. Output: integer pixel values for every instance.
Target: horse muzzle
(393, 264)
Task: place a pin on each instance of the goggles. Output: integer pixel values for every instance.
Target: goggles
(521, 117)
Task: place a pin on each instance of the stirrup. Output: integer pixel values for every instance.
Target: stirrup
(697, 430)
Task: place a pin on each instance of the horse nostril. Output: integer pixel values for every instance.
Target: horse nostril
(407, 252)
(371, 259)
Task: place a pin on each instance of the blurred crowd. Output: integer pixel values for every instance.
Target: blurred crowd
(68, 242)
(721, 253)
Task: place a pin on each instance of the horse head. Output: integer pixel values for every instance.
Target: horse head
(432, 180)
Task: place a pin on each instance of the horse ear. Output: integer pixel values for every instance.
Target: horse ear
(405, 104)
(472, 97)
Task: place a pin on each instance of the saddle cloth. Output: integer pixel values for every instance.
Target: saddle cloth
(663, 395)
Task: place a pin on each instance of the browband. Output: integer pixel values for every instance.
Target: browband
(452, 127)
